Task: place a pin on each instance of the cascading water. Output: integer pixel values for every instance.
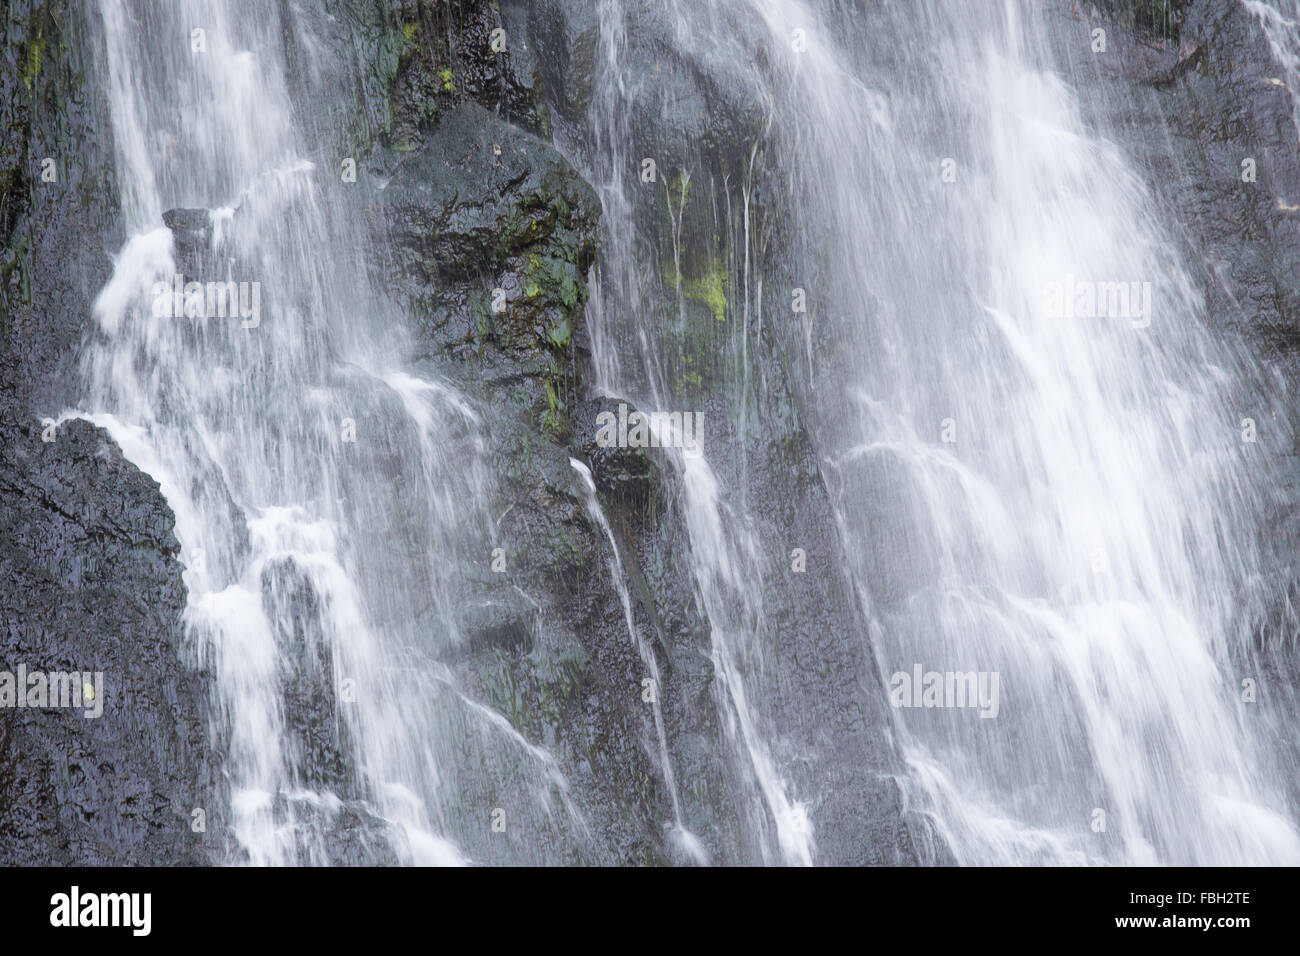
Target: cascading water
(726, 562)
(1027, 432)
(1031, 438)
(683, 837)
(1280, 21)
(324, 497)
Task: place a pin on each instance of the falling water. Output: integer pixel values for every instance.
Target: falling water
(726, 562)
(1065, 498)
(1280, 21)
(682, 837)
(1026, 485)
(325, 498)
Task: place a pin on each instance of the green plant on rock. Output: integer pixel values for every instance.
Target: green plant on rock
(35, 53)
(709, 288)
(692, 380)
(565, 549)
(679, 190)
(560, 335)
(506, 690)
(478, 308)
(553, 421)
(552, 401)
(448, 80)
(553, 280)
(558, 682)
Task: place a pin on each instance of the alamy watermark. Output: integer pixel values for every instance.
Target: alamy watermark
(208, 300)
(53, 689)
(75, 908)
(922, 688)
(635, 429)
(1085, 299)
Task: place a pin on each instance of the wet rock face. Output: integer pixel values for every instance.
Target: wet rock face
(58, 196)
(486, 236)
(629, 477)
(87, 554)
(489, 236)
(411, 61)
(492, 235)
(191, 239)
(92, 584)
(453, 52)
(564, 38)
(694, 102)
(698, 116)
(480, 190)
(1234, 108)
(1211, 81)
(1159, 17)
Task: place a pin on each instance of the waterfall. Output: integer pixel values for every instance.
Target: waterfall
(682, 837)
(894, 232)
(1280, 22)
(326, 498)
(1038, 453)
(726, 563)
(1073, 505)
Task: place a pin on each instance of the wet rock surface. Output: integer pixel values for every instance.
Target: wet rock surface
(92, 584)
(488, 237)
(492, 235)
(91, 578)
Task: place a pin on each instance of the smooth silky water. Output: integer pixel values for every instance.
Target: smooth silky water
(326, 499)
(1027, 484)
(1021, 486)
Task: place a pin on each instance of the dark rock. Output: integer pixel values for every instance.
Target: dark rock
(480, 192)
(93, 584)
(698, 98)
(57, 235)
(623, 475)
(192, 238)
(565, 37)
(491, 234)
(86, 546)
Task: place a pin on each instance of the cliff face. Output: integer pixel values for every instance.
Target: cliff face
(476, 203)
(486, 235)
(91, 578)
